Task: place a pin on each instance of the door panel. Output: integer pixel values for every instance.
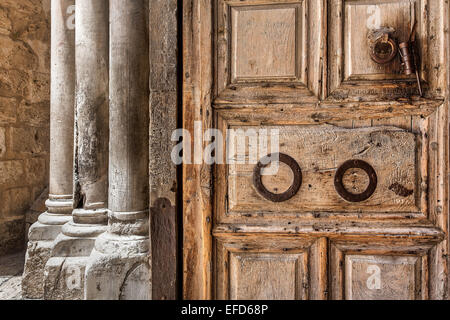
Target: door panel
(279, 27)
(380, 269)
(383, 277)
(354, 75)
(266, 52)
(359, 206)
(398, 15)
(269, 268)
(319, 151)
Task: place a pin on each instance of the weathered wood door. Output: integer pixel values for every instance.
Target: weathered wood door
(359, 206)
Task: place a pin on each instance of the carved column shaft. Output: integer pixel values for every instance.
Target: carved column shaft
(62, 99)
(59, 204)
(91, 120)
(92, 107)
(129, 116)
(118, 267)
(90, 175)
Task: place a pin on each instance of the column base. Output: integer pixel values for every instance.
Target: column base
(38, 253)
(76, 240)
(65, 269)
(119, 269)
(41, 237)
(64, 278)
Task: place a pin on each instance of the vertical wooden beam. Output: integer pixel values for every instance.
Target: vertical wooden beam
(438, 148)
(197, 187)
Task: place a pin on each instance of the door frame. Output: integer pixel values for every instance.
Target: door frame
(198, 183)
(197, 178)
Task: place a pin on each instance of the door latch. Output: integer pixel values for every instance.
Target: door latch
(383, 49)
(409, 58)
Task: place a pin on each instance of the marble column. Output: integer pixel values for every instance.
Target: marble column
(43, 233)
(119, 265)
(64, 276)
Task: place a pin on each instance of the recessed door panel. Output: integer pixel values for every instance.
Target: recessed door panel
(380, 268)
(355, 27)
(360, 19)
(263, 49)
(268, 268)
(382, 277)
(265, 276)
(265, 43)
(320, 151)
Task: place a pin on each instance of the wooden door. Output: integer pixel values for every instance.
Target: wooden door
(359, 206)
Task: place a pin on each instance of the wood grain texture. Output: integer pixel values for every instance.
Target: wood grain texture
(380, 269)
(277, 44)
(275, 27)
(320, 150)
(270, 268)
(360, 19)
(285, 113)
(383, 277)
(336, 85)
(197, 186)
(351, 72)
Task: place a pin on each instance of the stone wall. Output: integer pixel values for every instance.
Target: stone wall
(164, 101)
(24, 114)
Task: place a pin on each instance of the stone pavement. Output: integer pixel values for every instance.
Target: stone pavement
(11, 268)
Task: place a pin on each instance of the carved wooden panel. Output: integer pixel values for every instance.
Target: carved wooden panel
(362, 17)
(258, 276)
(269, 268)
(393, 153)
(266, 43)
(353, 75)
(382, 277)
(263, 50)
(380, 269)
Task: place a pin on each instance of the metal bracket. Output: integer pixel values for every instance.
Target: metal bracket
(409, 59)
(351, 197)
(293, 189)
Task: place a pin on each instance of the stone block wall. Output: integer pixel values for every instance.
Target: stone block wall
(24, 114)
(164, 102)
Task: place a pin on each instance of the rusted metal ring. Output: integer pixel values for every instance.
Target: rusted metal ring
(351, 197)
(383, 59)
(293, 189)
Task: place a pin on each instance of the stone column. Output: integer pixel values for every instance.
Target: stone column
(64, 277)
(59, 204)
(119, 265)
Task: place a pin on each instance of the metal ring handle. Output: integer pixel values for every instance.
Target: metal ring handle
(383, 60)
(351, 197)
(293, 189)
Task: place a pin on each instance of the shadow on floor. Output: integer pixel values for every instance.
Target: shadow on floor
(11, 269)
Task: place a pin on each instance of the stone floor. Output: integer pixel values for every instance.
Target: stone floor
(11, 268)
